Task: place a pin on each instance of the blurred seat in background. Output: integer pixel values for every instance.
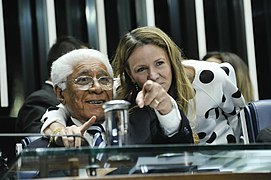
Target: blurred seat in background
(258, 117)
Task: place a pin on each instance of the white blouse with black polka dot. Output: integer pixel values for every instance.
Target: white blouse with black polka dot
(217, 101)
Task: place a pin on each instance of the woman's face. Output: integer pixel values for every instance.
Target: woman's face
(83, 104)
(150, 62)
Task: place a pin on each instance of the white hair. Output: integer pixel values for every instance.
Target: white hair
(63, 66)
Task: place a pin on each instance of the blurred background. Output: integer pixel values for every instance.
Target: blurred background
(29, 27)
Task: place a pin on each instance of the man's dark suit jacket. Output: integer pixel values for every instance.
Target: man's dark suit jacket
(34, 107)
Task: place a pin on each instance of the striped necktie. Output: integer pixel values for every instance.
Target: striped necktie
(96, 131)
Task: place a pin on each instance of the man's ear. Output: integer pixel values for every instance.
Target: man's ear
(59, 94)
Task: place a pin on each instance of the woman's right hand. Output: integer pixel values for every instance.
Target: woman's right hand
(154, 95)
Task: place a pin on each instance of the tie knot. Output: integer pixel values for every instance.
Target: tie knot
(96, 131)
(96, 128)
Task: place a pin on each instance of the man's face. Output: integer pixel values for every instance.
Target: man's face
(85, 101)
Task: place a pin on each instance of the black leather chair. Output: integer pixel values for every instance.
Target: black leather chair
(258, 117)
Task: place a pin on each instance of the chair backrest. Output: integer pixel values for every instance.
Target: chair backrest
(258, 117)
(26, 141)
(251, 138)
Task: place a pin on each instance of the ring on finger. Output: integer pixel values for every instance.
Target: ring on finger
(156, 101)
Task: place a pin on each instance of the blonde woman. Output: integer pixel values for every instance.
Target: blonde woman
(153, 74)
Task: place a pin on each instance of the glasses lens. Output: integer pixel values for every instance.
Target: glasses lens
(85, 82)
(106, 82)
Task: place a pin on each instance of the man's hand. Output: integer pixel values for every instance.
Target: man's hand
(72, 141)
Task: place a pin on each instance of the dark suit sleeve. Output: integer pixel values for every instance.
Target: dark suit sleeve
(144, 128)
(32, 110)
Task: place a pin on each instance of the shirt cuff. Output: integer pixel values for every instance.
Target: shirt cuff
(170, 122)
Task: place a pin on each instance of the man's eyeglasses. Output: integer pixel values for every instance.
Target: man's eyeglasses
(86, 82)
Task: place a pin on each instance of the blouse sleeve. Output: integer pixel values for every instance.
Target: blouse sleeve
(170, 122)
(232, 103)
(54, 114)
(229, 70)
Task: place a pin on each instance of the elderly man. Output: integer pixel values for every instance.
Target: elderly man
(83, 82)
(36, 104)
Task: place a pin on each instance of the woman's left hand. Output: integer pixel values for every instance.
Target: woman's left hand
(154, 95)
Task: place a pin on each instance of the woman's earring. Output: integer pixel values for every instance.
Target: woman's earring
(136, 87)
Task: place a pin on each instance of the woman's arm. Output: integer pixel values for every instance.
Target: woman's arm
(170, 122)
(233, 104)
(69, 136)
(57, 114)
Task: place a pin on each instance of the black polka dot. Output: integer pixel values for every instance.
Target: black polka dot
(231, 138)
(224, 114)
(51, 108)
(226, 69)
(237, 94)
(212, 138)
(201, 135)
(207, 113)
(223, 98)
(216, 113)
(233, 112)
(45, 119)
(206, 76)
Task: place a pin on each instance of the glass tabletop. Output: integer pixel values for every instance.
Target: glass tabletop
(141, 159)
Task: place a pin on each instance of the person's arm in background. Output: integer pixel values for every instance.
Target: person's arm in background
(28, 120)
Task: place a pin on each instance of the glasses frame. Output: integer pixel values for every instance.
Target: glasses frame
(90, 84)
